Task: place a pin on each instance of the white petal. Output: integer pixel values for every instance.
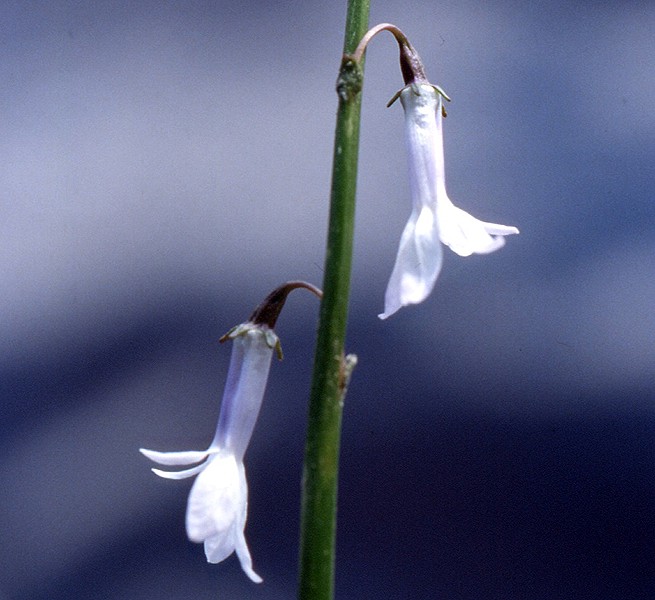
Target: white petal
(218, 547)
(175, 458)
(217, 510)
(180, 474)
(418, 263)
(495, 229)
(215, 501)
(466, 235)
(244, 558)
(241, 545)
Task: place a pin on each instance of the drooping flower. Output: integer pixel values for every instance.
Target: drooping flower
(218, 502)
(435, 220)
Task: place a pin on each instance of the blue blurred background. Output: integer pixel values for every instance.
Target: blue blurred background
(166, 164)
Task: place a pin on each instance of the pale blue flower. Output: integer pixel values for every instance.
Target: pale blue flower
(435, 220)
(218, 501)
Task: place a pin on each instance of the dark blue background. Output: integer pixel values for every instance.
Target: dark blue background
(165, 165)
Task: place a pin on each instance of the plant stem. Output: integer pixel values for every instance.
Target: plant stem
(319, 485)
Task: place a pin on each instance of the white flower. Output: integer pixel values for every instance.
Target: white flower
(218, 501)
(434, 219)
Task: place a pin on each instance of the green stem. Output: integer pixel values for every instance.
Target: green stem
(331, 370)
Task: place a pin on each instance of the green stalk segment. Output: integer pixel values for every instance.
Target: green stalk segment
(331, 368)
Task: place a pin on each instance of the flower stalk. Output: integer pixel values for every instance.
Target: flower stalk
(331, 367)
